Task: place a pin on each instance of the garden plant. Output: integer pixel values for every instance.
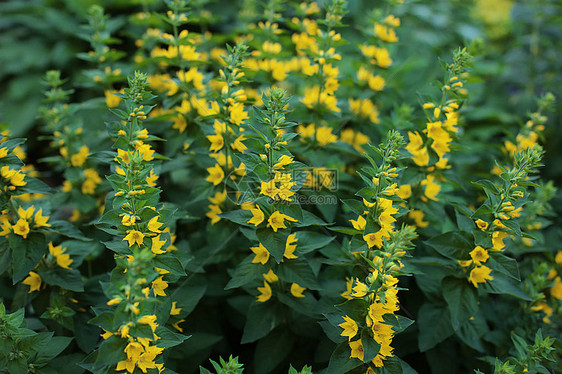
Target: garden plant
(280, 186)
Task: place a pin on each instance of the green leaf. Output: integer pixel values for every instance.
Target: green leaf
(246, 272)
(261, 320)
(26, 254)
(308, 241)
(340, 361)
(461, 298)
(503, 285)
(434, 322)
(69, 279)
(370, 347)
(455, 244)
(274, 242)
(56, 345)
(272, 350)
(399, 323)
(239, 216)
(298, 271)
(503, 264)
(67, 229)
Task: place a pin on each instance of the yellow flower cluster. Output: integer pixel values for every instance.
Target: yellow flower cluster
(25, 217)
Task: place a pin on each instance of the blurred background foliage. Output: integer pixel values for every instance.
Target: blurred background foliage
(517, 45)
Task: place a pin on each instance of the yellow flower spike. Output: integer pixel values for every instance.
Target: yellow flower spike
(349, 327)
(133, 237)
(265, 293)
(21, 228)
(262, 254)
(33, 280)
(257, 216)
(154, 225)
(277, 221)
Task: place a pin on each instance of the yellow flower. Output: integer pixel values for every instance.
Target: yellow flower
(356, 349)
(417, 216)
(145, 151)
(283, 161)
(33, 280)
(216, 174)
(297, 290)
(26, 213)
(40, 220)
(270, 276)
(128, 220)
(3, 152)
(556, 290)
(480, 274)
(217, 142)
(479, 255)
(358, 224)
(277, 221)
(158, 286)
(431, 187)
(63, 259)
(157, 245)
(134, 236)
(237, 113)
(175, 310)
(134, 350)
(265, 292)
(324, 136)
(497, 240)
(417, 149)
(262, 254)
(360, 289)
(154, 225)
(482, 225)
(150, 179)
(110, 99)
(213, 213)
(79, 158)
(21, 228)
(127, 364)
(349, 327)
(257, 217)
(269, 189)
(237, 144)
(290, 247)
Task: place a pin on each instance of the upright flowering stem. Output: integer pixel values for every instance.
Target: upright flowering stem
(143, 253)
